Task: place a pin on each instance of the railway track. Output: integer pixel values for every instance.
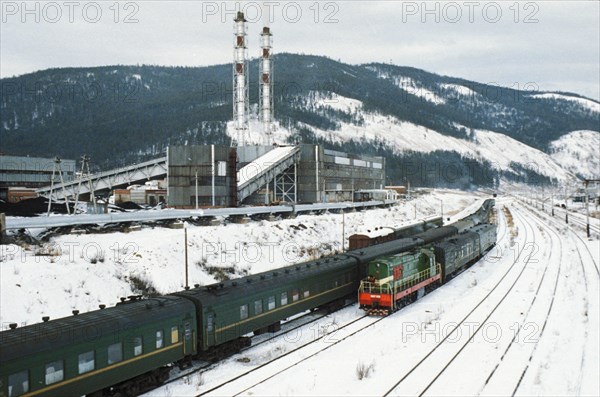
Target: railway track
(588, 288)
(468, 316)
(270, 377)
(370, 321)
(220, 386)
(526, 318)
(202, 367)
(560, 225)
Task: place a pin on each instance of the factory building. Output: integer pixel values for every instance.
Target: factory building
(264, 175)
(258, 172)
(201, 176)
(253, 170)
(21, 175)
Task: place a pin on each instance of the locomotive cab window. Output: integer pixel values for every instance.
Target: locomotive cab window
(115, 353)
(54, 372)
(137, 346)
(243, 312)
(174, 334)
(86, 362)
(159, 339)
(210, 323)
(18, 383)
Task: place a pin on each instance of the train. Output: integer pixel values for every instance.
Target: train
(399, 279)
(384, 234)
(130, 348)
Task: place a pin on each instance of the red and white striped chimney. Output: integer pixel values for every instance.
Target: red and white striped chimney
(240, 82)
(266, 84)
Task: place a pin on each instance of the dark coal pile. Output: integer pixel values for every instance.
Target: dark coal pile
(33, 207)
(129, 205)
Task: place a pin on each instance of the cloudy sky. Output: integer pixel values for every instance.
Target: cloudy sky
(552, 45)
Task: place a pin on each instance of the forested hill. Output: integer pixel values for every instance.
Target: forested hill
(122, 114)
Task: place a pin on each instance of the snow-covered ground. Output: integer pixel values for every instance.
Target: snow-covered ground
(81, 271)
(521, 321)
(524, 320)
(578, 153)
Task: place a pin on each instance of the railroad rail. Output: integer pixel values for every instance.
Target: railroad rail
(463, 320)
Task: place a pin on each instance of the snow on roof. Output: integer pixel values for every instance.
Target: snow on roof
(263, 163)
(378, 232)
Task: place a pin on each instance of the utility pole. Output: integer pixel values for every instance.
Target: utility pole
(566, 206)
(343, 230)
(85, 170)
(587, 208)
(186, 256)
(56, 168)
(196, 188)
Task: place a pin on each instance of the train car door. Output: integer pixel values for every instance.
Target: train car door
(209, 328)
(189, 345)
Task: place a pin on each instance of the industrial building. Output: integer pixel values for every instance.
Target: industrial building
(251, 172)
(19, 174)
(222, 176)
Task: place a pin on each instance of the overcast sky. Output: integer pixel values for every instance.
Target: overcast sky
(553, 45)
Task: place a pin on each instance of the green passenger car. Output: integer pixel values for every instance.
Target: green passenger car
(86, 353)
(230, 310)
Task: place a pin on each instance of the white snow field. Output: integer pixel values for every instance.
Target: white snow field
(524, 320)
(61, 276)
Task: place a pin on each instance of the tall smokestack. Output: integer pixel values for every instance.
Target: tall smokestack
(240, 82)
(266, 84)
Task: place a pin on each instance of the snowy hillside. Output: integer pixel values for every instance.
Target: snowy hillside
(405, 113)
(481, 145)
(579, 152)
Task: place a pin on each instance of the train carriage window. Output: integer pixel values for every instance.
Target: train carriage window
(306, 293)
(295, 295)
(174, 334)
(86, 362)
(159, 339)
(243, 312)
(258, 307)
(283, 298)
(137, 346)
(18, 383)
(115, 353)
(210, 322)
(54, 372)
(271, 303)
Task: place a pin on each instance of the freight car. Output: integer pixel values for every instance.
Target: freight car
(383, 234)
(130, 347)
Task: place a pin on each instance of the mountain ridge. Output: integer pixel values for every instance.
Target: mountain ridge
(123, 113)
